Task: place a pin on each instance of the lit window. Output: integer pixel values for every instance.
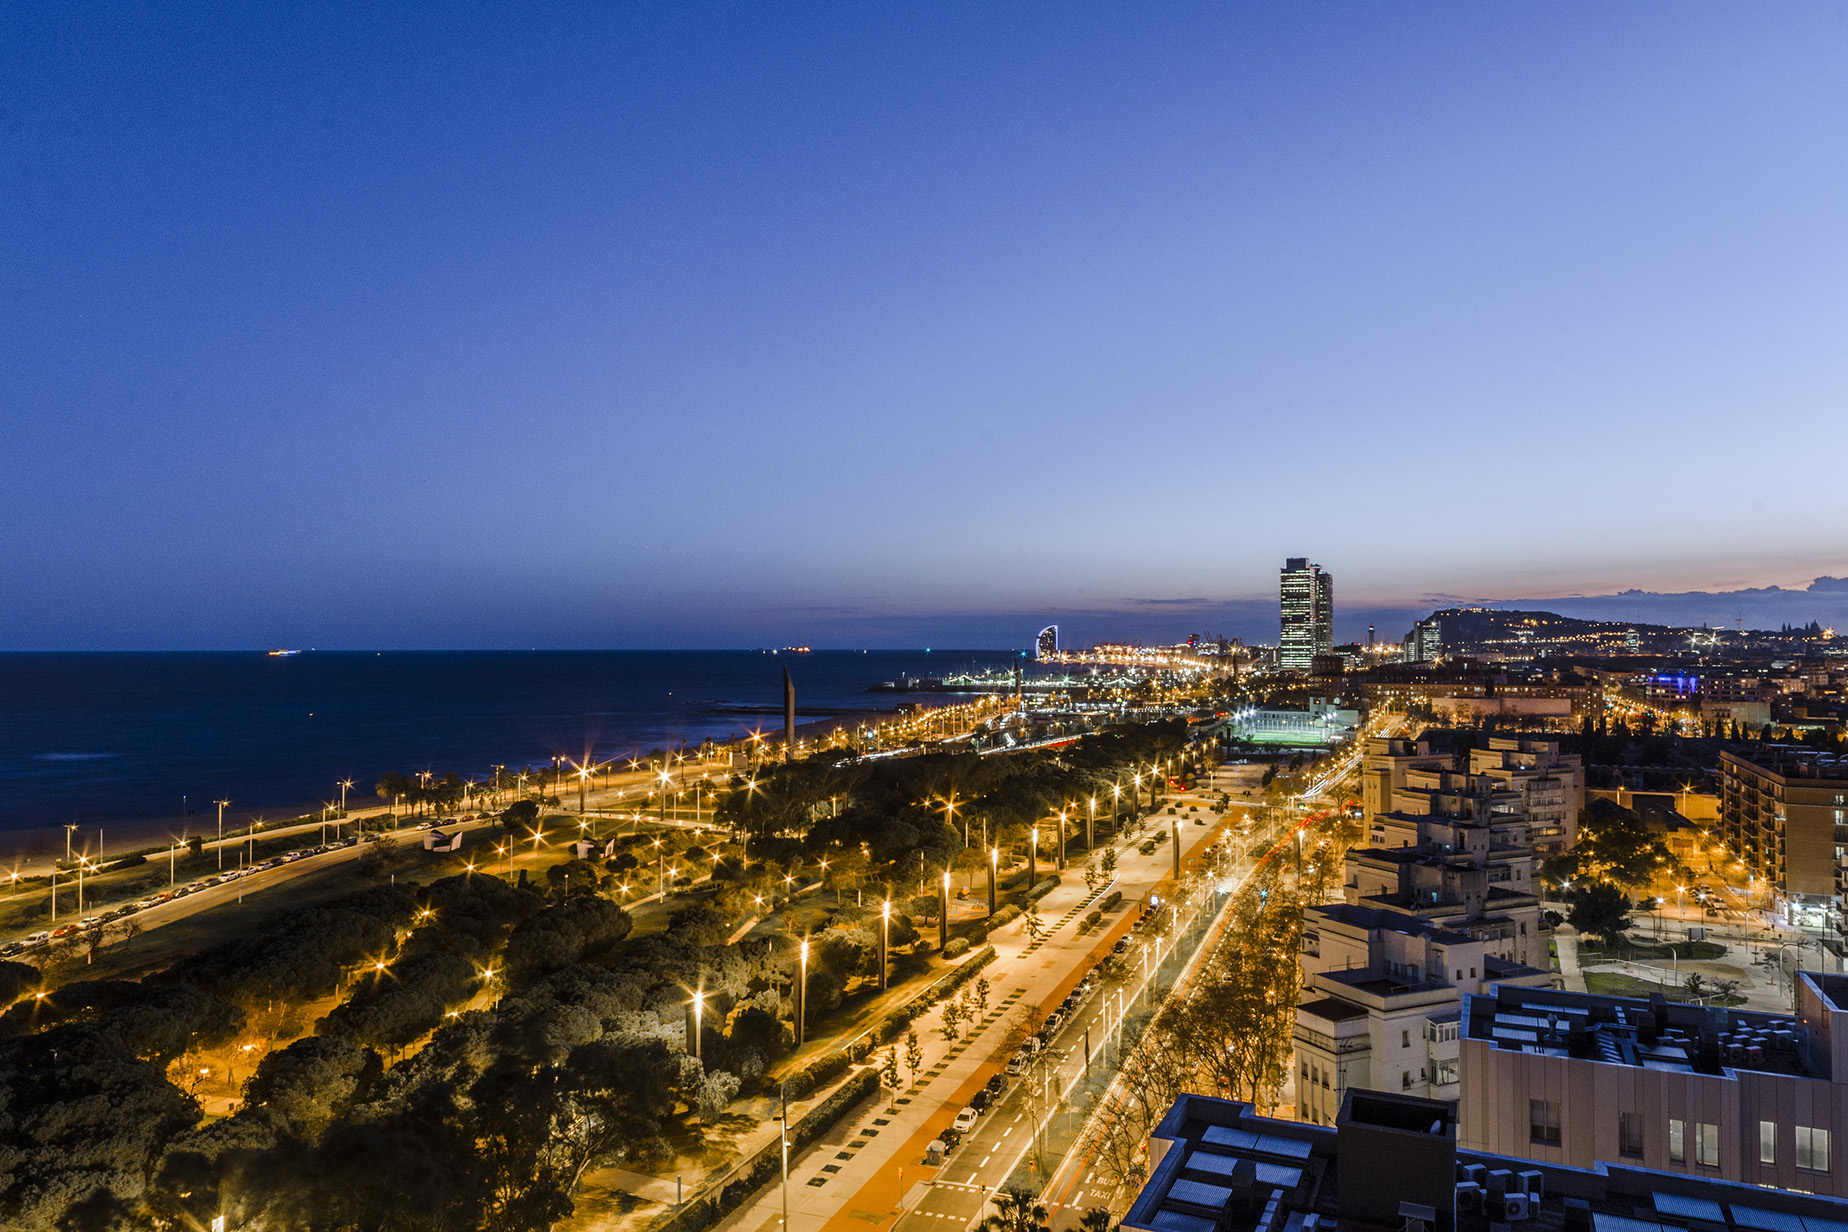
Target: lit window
(1706, 1144)
(1767, 1142)
(1677, 1142)
(1812, 1148)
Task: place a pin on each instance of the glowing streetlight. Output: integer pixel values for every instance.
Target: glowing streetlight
(885, 940)
(943, 913)
(802, 998)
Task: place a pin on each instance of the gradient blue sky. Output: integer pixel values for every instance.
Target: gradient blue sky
(654, 325)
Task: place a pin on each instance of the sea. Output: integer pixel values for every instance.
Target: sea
(91, 739)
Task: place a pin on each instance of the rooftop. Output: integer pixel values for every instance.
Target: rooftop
(1791, 761)
(1651, 1034)
(1391, 1163)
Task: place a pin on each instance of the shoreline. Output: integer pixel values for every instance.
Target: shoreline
(32, 850)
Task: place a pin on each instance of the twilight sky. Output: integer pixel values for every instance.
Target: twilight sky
(659, 325)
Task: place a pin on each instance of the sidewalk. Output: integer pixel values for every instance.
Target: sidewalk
(1565, 941)
(875, 1168)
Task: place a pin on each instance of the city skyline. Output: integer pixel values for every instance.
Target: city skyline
(676, 328)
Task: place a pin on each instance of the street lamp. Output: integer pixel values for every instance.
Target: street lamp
(994, 860)
(802, 998)
(699, 997)
(885, 940)
(1033, 860)
(943, 914)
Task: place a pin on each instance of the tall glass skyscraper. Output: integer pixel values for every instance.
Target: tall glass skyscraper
(1308, 613)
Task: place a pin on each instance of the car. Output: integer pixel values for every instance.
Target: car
(997, 1084)
(38, 938)
(91, 922)
(12, 947)
(65, 931)
(1120, 946)
(950, 1139)
(965, 1120)
(426, 825)
(144, 904)
(981, 1100)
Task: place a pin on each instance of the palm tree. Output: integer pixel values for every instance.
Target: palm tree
(1095, 1219)
(1016, 1210)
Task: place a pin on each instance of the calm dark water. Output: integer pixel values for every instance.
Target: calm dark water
(98, 737)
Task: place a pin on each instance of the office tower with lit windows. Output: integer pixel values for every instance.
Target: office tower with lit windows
(1308, 596)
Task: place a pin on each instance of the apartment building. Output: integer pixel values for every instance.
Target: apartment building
(1393, 1161)
(1784, 811)
(1549, 784)
(1380, 1004)
(1517, 778)
(1745, 1097)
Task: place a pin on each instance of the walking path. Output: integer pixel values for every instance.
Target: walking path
(1565, 941)
(870, 1169)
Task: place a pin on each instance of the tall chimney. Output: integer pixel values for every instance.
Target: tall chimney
(789, 717)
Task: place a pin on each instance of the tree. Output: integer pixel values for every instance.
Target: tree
(16, 980)
(1090, 876)
(982, 989)
(1110, 861)
(1095, 1219)
(914, 1053)
(520, 815)
(1031, 922)
(888, 1068)
(1600, 910)
(952, 1016)
(311, 1082)
(1616, 846)
(1016, 1210)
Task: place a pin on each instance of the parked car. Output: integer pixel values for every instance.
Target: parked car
(965, 1120)
(997, 1084)
(950, 1138)
(980, 1101)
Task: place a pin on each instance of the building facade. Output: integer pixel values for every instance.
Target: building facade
(1308, 602)
(1396, 1163)
(1379, 1007)
(1784, 811)
(1574, 1078)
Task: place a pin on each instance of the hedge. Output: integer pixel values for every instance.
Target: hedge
(958, 946)
(1110, 901)
(1043, 888)
(749, 1175)
(1007, 915)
